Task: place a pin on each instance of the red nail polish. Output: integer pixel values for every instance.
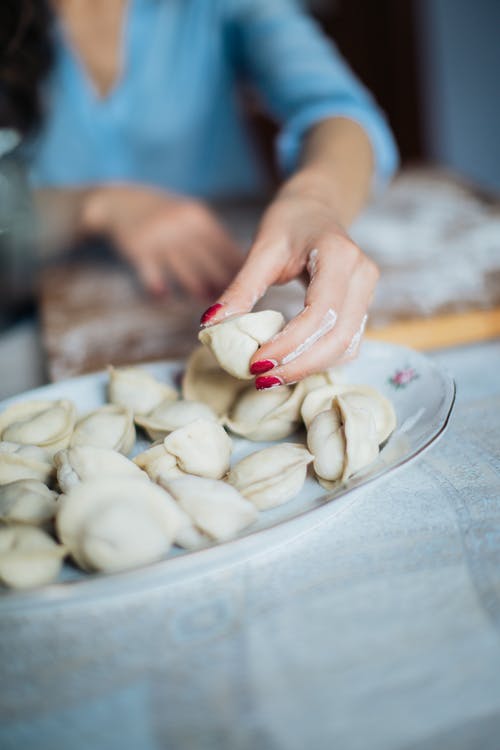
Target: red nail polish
(267, 381)
(263, 365)
(210, 313)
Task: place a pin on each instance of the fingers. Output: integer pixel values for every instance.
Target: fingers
(151, 275)
(188, 274)
(219, 264)
(201, 262)
(330, 268)
(337, 340)
(261, 269)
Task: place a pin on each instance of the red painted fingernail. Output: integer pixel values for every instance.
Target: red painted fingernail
(267, 381)
(210, 313)
(263, 365)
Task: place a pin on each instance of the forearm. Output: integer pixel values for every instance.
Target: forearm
(336, 166)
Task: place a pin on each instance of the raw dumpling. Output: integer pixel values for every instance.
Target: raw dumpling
(235, 341)
(137, 390)
(318, 380)
(170, 415)
(116, 523)
(369, 399)
(188, 536)
(27, 501)
(271, 476)
(366, 397)
(47, 424)
(159, 464)
(202, 448)
(326, 441)
(24, 462)
(83, 462)
(215, 508)
(109, 427)
(266, 415)
(28, 557)
(205, 381)
(343, 439)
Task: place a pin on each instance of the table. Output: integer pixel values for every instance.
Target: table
(380, 629)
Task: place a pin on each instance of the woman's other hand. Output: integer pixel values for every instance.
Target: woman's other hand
(172, 242)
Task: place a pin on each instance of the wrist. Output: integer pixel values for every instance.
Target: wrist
(93, 210)
(315, 184)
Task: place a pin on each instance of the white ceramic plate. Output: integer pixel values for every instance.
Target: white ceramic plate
(422, 395)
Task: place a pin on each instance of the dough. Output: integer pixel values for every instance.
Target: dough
(109, 427)
(170, 415)
(234, 341)
(158, 463)
(83, 462)
(28, 557)
(265, 415)
(137, 390)
(205, 381)
(271, 476)
(363, 395)
(24, 462)
(343, 439)
(215, 508)
(47, 424)
(116, 523)
(27, 501)
(202, 448)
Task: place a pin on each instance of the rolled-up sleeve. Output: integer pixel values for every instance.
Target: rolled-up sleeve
(304, 79)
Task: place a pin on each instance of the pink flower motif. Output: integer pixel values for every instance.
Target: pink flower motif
(402, 378)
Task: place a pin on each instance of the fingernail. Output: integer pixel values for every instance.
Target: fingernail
(210, 313)
(267, 381)
(263, 365)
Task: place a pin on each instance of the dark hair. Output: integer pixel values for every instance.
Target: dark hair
(25, 59)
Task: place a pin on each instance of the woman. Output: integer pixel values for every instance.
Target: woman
(142, 124)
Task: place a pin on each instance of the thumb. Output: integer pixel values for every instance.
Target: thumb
(258, 273)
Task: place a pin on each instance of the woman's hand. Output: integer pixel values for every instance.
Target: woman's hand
(299, 235)
(170, 241)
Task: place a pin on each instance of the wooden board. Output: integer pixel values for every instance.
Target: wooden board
(441, 331)
(95, 314)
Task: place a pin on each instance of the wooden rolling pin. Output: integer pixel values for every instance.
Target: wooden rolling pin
(441, 330)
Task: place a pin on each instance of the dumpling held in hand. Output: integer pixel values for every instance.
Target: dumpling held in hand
(234, 341)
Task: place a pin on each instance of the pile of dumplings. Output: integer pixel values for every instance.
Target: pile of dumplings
(68, 486)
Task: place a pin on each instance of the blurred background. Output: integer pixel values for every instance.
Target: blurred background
(433, 66)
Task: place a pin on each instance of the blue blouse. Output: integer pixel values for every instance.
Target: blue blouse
(174, 119)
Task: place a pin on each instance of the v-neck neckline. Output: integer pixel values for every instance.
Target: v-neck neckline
(81, 71)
